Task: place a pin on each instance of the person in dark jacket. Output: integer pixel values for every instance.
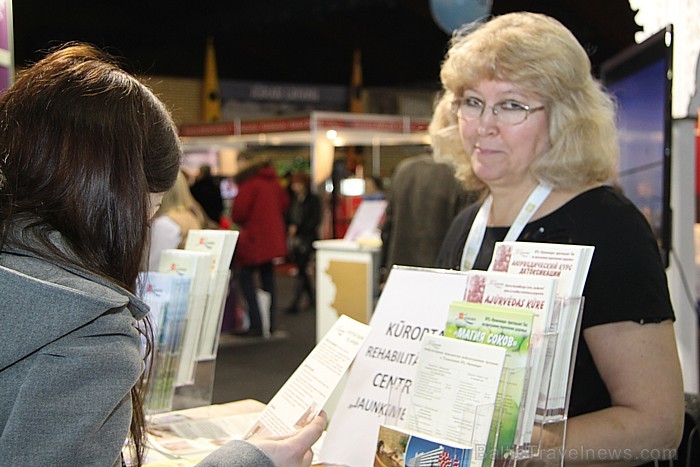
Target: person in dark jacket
(424, 198)
(258, 209)
(207, 193)
(303, 219)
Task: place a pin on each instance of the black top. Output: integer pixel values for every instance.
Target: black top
(208, 194)
(626, 280)
(306, 215)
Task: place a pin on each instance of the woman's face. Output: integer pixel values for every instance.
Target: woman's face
(501, 153)
(155, 200)
(298, 188)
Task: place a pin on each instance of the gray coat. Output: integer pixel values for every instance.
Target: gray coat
(69, 356)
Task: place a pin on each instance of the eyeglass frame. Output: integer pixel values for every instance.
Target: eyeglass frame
(456, 105)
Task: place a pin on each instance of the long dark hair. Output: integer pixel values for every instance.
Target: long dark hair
(82, 144)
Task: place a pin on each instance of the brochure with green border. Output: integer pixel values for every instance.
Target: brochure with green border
(504, 327)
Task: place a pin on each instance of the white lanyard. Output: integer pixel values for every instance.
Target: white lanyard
(478, 229)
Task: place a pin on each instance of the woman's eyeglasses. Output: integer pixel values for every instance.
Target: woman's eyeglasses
(509, 112)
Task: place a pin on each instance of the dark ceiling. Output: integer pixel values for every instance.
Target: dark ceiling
(296, 41)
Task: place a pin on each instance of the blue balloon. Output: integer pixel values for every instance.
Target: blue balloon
(451, 14)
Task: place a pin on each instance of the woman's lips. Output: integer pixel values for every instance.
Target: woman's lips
(485, 151)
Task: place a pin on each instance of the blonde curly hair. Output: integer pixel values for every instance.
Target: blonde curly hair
(545, 59)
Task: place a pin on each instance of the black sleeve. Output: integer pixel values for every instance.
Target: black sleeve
(314, 215)
(386, 232)
(626, 280)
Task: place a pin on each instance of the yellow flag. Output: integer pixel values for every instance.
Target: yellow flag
(211, 95)
(355, 106)
(356, 83)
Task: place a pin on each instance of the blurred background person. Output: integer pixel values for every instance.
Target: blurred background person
(258, 210)
(208, 194)
(303, 219)
(178, 214)
(424, 198)
(374, 188)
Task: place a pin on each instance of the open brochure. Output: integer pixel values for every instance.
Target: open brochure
(184, 437)
(305, 393)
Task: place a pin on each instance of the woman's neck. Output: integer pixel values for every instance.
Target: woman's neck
(507, 203)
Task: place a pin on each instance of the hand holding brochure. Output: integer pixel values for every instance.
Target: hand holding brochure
(305, 393)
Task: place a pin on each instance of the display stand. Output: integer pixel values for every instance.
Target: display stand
(555, 393)
(200, 391)
(559, 343)
(347, 282)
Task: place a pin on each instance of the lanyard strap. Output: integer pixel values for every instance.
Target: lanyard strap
(478, 229)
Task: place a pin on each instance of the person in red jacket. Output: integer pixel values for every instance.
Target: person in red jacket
(258, 209)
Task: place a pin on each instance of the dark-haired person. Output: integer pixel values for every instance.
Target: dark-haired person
(529, 125)
(303, 219)
(87, 152)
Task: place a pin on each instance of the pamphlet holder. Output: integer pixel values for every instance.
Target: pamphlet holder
(159, 397)
(200, 391)
(167, 325)
(561, 342)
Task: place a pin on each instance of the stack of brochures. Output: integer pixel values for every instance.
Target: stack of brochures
(195, 264)
(221, 245)
(168, 297)
(569, 264)
(536, 295)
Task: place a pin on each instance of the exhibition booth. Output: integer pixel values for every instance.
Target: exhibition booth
(319, 132)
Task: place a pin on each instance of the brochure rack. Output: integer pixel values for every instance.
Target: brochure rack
(555, 390)
(167, 297)
(559, 344)
(199, 392)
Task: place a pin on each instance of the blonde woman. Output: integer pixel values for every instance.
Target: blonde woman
(177, 215)
(526, 123)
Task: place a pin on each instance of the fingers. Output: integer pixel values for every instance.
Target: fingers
(312, 432)
(308, 457)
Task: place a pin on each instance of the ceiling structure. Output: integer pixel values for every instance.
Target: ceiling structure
(294, 41)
